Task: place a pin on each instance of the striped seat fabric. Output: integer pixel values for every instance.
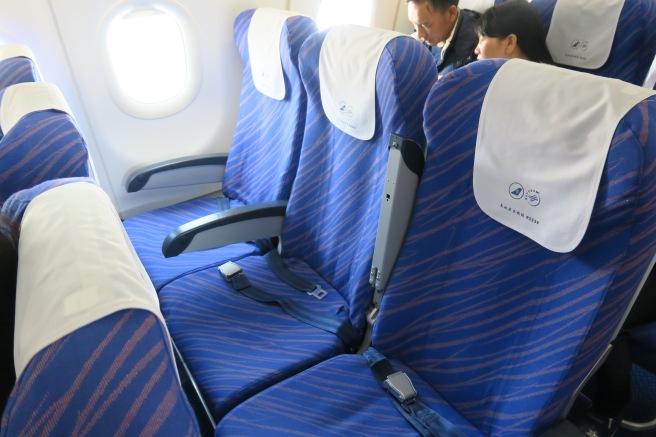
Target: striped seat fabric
(235, 346)
(40, 143)
(495, 331)
(634, 45)
(17, 65)
(261, 165)
(114, 375)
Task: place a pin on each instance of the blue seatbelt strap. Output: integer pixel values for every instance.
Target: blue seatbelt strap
(280, 269)
(404, 397)
(335, 325)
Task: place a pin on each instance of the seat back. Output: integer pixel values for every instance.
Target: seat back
(17, 65)
(333, 210)
(92, 353)
(264, 154)
(633, 47)
(41, 139)
(502, 328)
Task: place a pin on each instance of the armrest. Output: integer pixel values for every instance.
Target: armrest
(189, 170)
(246, 223)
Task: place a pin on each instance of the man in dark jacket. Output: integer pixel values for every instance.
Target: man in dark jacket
(447, 30)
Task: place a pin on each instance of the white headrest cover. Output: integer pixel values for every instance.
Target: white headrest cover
(23, 98)
(650, 81)
(582, 31)
(15, 51)
(76, 265)
(347, 75)
(476, 5)
(543, 138)
(264, 50)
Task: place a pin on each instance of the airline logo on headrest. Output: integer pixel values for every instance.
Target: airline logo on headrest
(578, 47)
(518, 192)
(345, 110)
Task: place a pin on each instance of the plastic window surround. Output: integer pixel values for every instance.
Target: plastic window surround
(337, 12)
(151, 108)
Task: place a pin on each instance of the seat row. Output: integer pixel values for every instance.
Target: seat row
(496, 291)
(39, 141)
(185, 280)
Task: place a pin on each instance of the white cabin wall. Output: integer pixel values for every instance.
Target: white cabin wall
(305, 7)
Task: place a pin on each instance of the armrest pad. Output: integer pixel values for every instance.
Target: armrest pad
(236, 225)
(140, 178)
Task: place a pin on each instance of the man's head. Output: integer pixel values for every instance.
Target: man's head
(433, 19)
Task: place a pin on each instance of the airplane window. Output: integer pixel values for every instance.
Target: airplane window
(148, 55)
(152, 58)
(336, 12)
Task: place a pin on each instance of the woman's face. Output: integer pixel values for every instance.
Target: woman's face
(489, 48)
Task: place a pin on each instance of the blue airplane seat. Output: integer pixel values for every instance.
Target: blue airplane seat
(92, 353)
(41, 140)
(632, 48)
(642, 344)
(235, 345)
(494, 330)
(263, 156)
(17, 65)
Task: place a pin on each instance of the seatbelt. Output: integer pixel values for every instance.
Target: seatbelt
(223, 203)
(279, 268)
(404, 397)
(335, 325)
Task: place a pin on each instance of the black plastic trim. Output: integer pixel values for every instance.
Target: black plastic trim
(179, 239)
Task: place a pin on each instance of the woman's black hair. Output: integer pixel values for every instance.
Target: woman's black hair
(517, 17)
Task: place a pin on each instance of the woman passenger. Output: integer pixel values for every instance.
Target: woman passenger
(512, 30)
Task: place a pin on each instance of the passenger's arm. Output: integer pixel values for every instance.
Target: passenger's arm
(236, 225)
(190, 170)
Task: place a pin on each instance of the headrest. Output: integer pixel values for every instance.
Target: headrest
(15, 51)
(476, 5)
(23, 98)
(16, 204)
(264, 50)
(347, 75)
(543, 137)
(75, 266)
(581, 32)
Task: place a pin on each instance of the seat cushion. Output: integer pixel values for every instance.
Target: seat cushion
(147, 232)
(235, 346)
(337, 397)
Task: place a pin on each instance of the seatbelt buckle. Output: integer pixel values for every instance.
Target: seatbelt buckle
(399, 385)
(372, 315)
(318, 292)
(229, 270)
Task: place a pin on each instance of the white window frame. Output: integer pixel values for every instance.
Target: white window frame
(190, 89)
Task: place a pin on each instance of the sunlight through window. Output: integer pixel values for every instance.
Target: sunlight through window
(336, 12)
(148, 55)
